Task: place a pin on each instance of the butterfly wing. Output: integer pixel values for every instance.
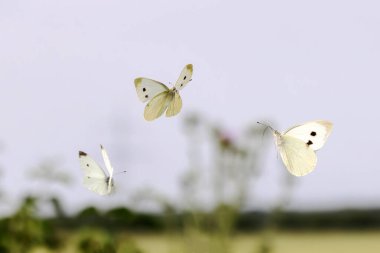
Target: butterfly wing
(298, 157)
(313, 133)
(185, 77)
(107, 161)
(148, 88)
(175, 105)
(157, 106)
(109, 167)
(99, 186)
(95, 178)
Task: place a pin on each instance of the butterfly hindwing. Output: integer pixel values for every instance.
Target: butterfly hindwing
(313, 133)
(147, 88)
(175, 105)
(100, 186)
(157, 106)
(297, 156)
(185, 77)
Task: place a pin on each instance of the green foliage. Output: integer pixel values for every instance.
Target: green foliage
(119, 218)
(95, 241)
(24, 230)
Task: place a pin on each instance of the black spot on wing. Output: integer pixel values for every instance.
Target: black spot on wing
(146, 96)
(184, 78)
(313, 133)
(144, 89)
(309, 143)
(81, 153)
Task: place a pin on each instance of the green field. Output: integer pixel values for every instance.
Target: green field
(96, 241)
(307, 242)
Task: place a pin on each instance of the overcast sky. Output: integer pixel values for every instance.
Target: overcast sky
(67, 71)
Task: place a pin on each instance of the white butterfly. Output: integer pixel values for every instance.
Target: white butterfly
(298, 144)
(95, 178)
(160, 97)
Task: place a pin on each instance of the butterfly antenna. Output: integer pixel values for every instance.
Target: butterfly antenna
(265, 129)
(119, 172)
(266, 126)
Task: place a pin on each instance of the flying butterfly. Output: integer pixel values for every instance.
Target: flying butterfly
(298, 144)
(160, 97)
(95, 178)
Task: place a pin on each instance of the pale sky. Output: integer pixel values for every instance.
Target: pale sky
(67, 71)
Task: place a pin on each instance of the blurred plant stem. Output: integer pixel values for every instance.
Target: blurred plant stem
(232, 168)
(269, 232)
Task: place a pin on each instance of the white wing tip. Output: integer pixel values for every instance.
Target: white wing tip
(326, 123)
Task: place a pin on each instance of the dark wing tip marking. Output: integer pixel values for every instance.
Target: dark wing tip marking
(309, 143)
(138, 81)
(81, 153)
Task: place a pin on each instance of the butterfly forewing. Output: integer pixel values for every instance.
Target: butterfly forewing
(175, 105)
(184, 77)
(157, 106)
(107, 161)
(297, 156)
(313, 133)
(147, 88)
(90, 167)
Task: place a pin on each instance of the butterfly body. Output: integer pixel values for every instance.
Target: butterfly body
(298, 144)
(160, 97)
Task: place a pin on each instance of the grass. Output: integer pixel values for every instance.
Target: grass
(292, 242)
(281, 242)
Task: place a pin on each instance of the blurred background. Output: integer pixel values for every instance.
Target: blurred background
(207, 180)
